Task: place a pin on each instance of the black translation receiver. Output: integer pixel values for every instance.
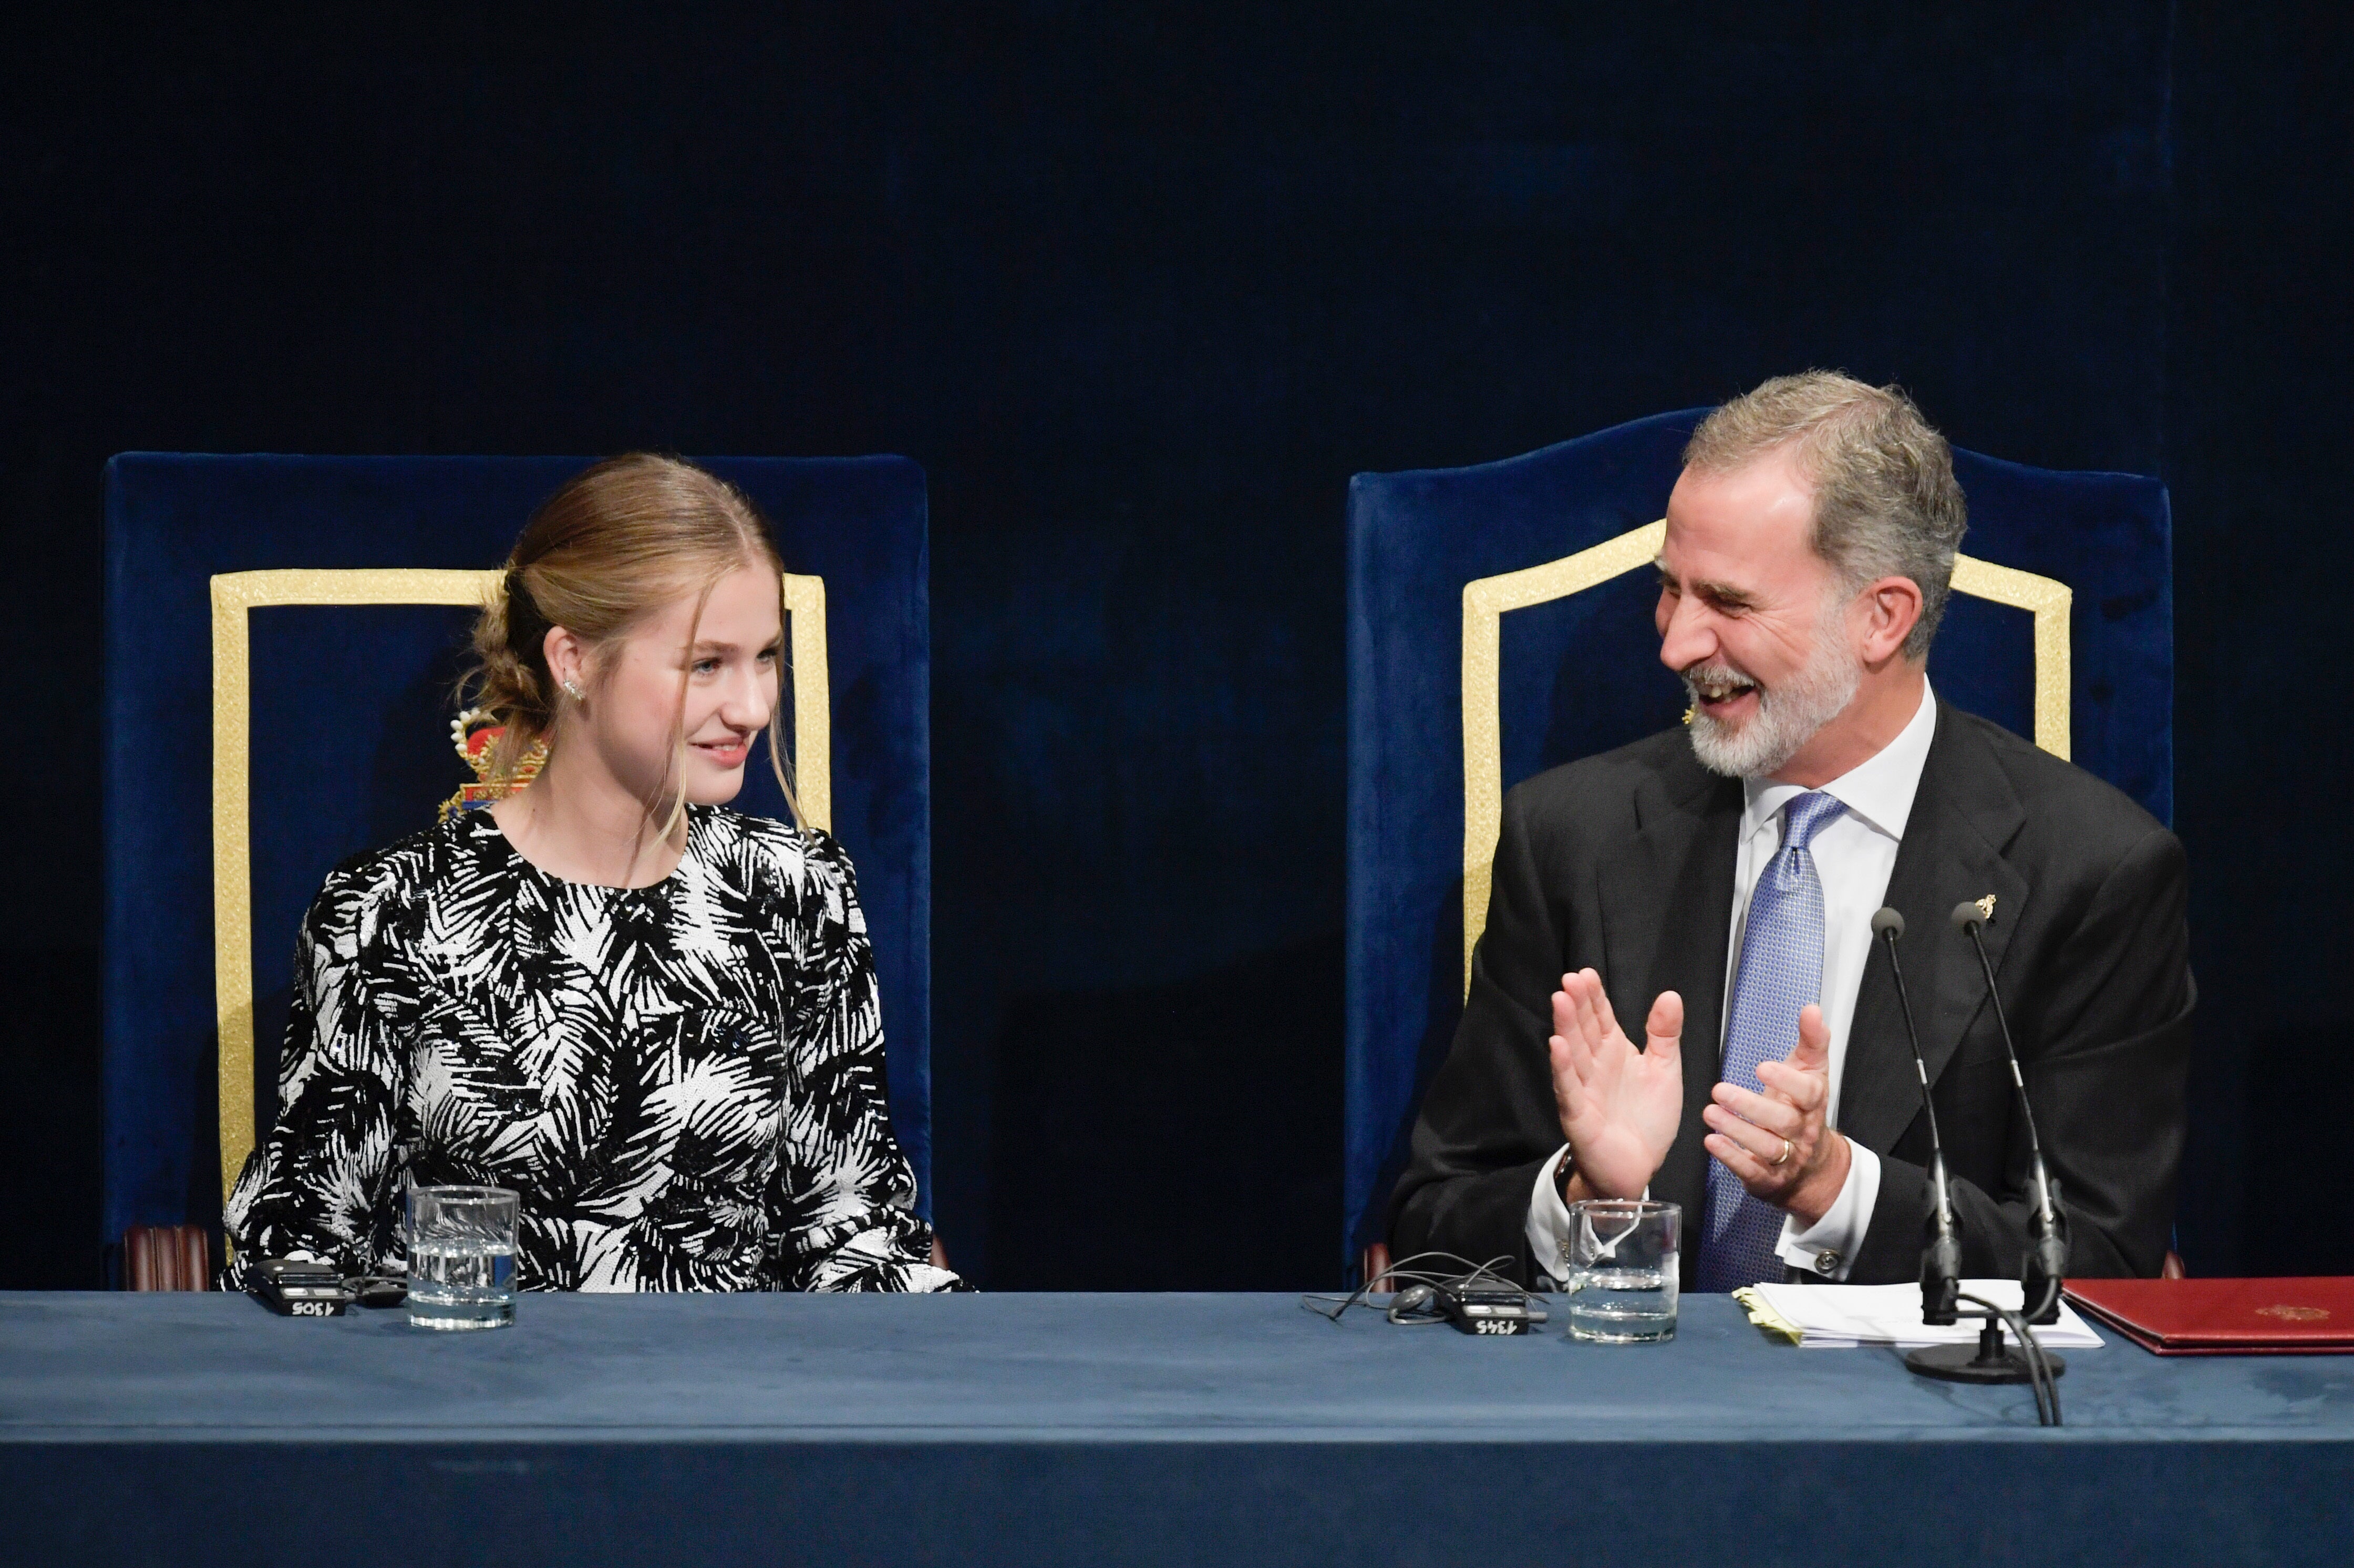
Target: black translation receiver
(292, 1287)
(1490, 1307)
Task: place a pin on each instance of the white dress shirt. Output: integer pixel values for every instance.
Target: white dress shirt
(1854, 854)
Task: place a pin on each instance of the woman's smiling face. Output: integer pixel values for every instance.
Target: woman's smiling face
(727, 677)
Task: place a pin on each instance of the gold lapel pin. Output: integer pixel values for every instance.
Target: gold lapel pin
(1986, 908)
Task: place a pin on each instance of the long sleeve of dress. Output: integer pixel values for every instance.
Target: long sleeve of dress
(845, 1195)
(317, 1187)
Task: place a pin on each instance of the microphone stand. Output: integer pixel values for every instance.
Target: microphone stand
(2045, 1267)
(1941, 1239)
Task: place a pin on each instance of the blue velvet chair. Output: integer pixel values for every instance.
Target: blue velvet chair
(1500, 623)
(283, 637)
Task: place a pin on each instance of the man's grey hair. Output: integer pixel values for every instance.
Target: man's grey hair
(1885, 501)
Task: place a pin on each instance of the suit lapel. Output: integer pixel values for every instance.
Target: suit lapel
(1667, 912)
(1965, 815)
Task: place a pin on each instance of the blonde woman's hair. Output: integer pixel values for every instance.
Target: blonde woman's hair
(612, 547)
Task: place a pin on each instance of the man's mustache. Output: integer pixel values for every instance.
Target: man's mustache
(1697, 675)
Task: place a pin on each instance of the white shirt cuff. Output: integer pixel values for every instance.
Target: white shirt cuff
(1827, 1248)
(1548, 1226)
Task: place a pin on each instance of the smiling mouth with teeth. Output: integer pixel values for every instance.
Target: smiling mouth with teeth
(1715, 686)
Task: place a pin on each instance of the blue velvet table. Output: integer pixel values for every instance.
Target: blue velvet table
(1092, 1429)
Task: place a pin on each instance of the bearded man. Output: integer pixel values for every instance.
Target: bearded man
(1717, 885)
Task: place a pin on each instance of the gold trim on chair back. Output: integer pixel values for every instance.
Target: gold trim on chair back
(235, 593)
(1484, 601)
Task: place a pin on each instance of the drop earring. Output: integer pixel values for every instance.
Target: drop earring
(573, 692)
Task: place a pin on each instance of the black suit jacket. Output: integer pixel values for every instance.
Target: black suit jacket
(1625, 863)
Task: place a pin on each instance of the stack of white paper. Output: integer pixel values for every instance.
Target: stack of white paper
(1842, 1317)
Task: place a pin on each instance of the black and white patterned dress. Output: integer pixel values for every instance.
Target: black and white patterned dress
(683, 1081)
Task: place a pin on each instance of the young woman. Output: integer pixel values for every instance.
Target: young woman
(652, 1017)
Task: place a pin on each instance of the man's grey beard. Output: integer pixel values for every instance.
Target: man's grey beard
(1788, 716)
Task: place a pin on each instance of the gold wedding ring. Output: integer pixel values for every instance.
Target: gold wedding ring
(1788, 1149)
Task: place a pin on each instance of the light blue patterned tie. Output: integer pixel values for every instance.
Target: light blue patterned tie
(1781, 971)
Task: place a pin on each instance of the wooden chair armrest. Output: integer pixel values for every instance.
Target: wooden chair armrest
(167, 1257)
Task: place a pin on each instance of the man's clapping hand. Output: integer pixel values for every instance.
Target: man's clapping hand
(1619, 1107)
(1777, 1142)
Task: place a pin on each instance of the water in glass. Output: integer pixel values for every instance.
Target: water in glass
(461, 1283)
(1623, 1306)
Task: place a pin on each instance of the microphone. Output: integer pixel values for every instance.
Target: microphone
(2047, 1260)
(1941, 1232)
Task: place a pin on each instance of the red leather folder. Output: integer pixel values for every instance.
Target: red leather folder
(2225, 1317)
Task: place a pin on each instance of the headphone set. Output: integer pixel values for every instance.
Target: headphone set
(1479, 1300)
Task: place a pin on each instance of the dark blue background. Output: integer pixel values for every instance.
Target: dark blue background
(1141, 288)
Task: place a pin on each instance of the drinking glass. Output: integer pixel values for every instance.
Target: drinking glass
(462, 1257)
(1623, 1260)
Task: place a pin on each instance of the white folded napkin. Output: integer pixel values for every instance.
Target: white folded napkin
(1843, 1317)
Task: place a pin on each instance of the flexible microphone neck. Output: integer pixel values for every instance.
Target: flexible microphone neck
(2047, 1260)
(1941, 1249)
